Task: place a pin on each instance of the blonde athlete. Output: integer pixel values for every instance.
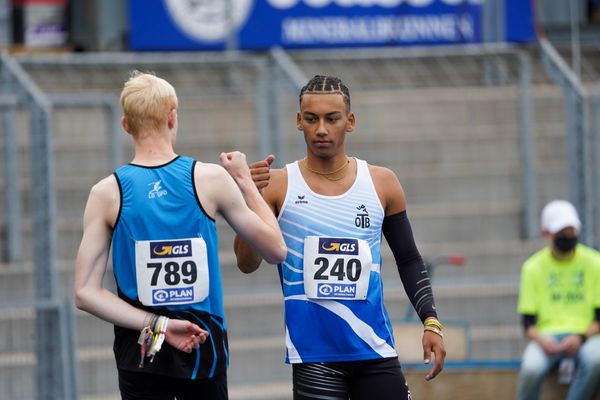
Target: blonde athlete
(158, 215)
(332, 210)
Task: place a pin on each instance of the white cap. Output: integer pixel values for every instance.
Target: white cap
(558, 215)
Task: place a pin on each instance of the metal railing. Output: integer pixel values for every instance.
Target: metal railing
(289, 76)
(55, 370)
(289, 72)
(12, 192)
(580, 168)
(491, 53)
(56, 374)
(110, 104)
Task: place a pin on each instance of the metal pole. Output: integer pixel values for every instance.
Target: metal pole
(69, 346)
(113, 121)
(577, 132)
(231, 45)
(12, 191)
(596, 164)
(576, 157)
(289, 72)
(277, 135)
(575, 42)
(494, 69)
(587, 168)
(262, 110)
(5, 23)
(528, 178)
(48, 321)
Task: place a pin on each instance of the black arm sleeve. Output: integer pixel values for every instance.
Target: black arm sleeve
(528, 320)
(598, 314)
(413, 273)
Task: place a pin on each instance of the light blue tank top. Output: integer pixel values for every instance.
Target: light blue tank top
(326, 330)
(160, 204)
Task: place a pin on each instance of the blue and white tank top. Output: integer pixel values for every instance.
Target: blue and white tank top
(334, 247)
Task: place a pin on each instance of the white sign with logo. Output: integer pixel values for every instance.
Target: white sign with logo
(171, 272)
(336, 268)
(209, 20)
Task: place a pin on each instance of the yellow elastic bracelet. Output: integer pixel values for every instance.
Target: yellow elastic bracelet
(433, 322)
(434, 330)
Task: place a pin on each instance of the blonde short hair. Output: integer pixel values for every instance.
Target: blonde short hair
(146, 101)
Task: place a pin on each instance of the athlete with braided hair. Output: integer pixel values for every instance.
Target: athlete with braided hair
(332, 210)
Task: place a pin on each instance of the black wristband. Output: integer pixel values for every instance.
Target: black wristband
(529, 320)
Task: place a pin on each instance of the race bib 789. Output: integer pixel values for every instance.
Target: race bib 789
(170, 272)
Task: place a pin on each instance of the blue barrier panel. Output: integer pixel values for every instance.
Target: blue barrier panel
(262, 24)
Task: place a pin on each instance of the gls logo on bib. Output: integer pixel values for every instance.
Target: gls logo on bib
(180, 248)
(338, 246)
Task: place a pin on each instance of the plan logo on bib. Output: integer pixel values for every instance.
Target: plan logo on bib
(173, 295)
(209, 20)
(336, 290)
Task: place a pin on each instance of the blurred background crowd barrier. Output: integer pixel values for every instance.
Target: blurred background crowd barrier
(481, 131)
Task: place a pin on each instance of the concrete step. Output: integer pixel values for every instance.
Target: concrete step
(258, 314)
(70, 76)
(465, 221)
(455, 219)
(427, 183)
(84, 162)
(484, 260)
(97, 373)
(450, 106)
(432, 223)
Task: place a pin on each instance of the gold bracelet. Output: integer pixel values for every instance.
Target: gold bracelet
(433, 322)
(434, 330)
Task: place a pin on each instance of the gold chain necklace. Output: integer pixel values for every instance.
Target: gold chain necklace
(326, 174)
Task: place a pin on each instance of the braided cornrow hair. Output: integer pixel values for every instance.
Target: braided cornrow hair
(322, 84)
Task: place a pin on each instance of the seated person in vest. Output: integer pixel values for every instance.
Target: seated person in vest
(559, 300)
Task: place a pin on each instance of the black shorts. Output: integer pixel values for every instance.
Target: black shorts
(147, 386)
(380, 379)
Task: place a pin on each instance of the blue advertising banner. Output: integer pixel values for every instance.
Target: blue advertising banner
(262, 24)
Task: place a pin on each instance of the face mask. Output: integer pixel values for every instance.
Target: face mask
(565, 244)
